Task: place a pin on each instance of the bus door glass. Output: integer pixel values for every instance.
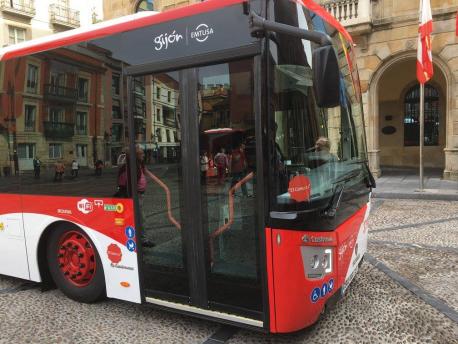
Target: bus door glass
(227, 161)
(156, 112)
(210, 256)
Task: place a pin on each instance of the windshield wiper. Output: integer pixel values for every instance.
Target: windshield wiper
(331, 210)
(258, 23)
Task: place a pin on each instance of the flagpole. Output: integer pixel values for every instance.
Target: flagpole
(422, 132)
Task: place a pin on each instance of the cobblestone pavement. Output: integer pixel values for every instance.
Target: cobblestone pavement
(416, 240)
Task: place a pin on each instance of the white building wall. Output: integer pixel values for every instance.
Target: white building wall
(40, 24)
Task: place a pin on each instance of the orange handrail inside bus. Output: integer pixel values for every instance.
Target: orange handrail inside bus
(229, 223)
(168, 197)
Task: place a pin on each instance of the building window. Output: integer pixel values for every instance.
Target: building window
(116, 133)
(169, 96)
(81, 123)
(116, 112)
(30, 114)
(158, 114)
(55, 150)
(26, 151)
(115, 85)
(159, 135)
(56, 115)
(145, 5)
(57, 79)
(83, 90)
(16, 35)
(412, 116)
(158, 93)
(167, 132)
(32, 79)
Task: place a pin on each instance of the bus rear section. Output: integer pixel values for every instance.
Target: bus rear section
(212, 171)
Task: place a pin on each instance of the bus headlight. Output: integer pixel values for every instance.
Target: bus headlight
(317, 261)
(324, 261)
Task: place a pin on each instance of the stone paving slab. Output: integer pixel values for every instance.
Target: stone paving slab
(376, 310)
(414, 221)
(433, 270)
(36, 317)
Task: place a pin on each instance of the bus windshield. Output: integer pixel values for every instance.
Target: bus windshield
(315, 151)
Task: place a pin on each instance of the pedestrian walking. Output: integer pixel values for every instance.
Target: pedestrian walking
(75, 168)
(59, 168)
(36, 167)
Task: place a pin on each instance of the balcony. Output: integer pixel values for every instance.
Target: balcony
(355, 15)
(60, 94)
(22, 8)
(64, 17)
(59, 130)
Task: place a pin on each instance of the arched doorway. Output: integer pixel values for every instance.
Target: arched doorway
(144, 5)
(398, 117)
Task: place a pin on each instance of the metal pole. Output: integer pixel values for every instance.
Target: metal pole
(422, 133)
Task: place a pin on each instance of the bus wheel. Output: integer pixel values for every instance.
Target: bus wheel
(74, 264)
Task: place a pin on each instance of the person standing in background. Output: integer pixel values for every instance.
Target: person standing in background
(222, 163)
(239, 167)
(203, 167)
(36, 167)
(75, 168)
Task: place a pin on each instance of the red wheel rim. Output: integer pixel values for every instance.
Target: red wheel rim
(76, 258)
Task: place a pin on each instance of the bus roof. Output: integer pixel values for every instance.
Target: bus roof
(110, 27)
(135, 21)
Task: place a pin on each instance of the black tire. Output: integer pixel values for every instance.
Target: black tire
(95, 289)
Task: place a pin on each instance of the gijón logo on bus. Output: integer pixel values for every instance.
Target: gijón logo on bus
(200, 34)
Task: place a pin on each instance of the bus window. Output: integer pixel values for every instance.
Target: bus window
(315, 152)
(66, 134)
(9, 155)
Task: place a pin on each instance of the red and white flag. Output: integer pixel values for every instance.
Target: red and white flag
(457, 23)
(425, 55)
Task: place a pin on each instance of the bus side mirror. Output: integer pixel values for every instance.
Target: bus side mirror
(326, 77)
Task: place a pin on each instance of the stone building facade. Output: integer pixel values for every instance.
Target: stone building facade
(22, 20)
(386, 34)
(117, 8)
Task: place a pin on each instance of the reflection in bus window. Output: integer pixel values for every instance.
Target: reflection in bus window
(59, 133)
(226, 122)
(324, 145)
(156, 101)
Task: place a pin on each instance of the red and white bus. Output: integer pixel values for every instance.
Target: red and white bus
(209, 160)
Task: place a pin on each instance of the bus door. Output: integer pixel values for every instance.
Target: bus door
(196, 141)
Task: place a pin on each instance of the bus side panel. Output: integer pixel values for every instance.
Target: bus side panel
(298, 299)
(108, 222)
(270, 280)
(13, 256)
